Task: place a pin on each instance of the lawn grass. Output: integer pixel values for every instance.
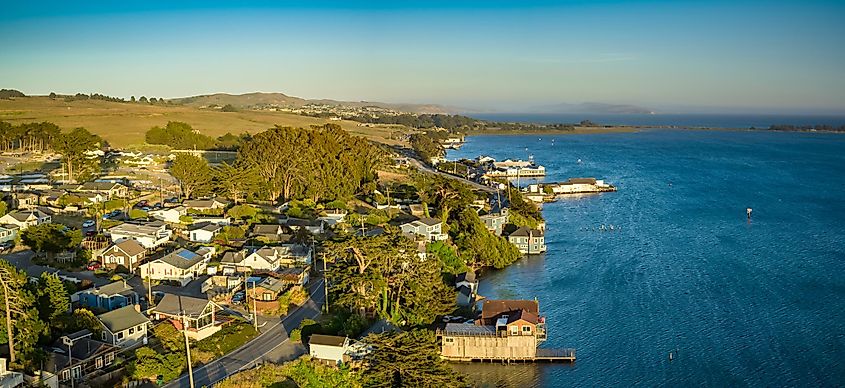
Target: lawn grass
(125, 124)
(227, 339)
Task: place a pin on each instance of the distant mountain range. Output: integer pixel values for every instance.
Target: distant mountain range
(258, 99)
(591, 107)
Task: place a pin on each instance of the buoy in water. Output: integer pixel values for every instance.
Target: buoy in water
(748, 212)
(671, 356)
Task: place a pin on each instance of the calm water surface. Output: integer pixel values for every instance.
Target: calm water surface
(739, 303)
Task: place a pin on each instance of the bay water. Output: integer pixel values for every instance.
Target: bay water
(736, 302)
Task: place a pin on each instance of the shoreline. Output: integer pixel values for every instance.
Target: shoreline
(632, 129)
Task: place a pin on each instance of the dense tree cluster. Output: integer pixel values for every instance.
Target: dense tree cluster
(28, 137)
(92, 96)
(323, 163)
(179, 135)
(407, 359)
(384, 275)
(74, 147)
(426, 147)
(6, 94)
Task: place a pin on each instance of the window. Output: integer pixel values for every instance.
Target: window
(526, 329)
(140, 328)
(66, 375)
(109, 358)
(120, 335)
(99, 362)
(131, 330)
(103, 335)
(449, 340)
(514, 329)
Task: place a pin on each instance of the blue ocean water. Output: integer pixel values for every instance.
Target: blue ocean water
(737, 121)
(738, 303)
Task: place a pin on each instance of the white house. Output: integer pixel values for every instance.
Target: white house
(217, 220)
(328, 348)
(430, 229)
(205, 204)
(25, 219)
(125, 327)
(204, 232)
(8, 232)
(269, 258)
(150, 235)
(180, 266)
(169, 214)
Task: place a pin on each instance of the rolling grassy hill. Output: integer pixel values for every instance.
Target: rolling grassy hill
(124, 124)
(258, 99)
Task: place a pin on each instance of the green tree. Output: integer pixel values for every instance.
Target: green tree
(384, 274)
(74, 146)
(84, 319)
(21, 324)
(407, 359)
(477, 246)
(193, 173)
(170, 338)
(150, 364)
(53, 300)
(243, 212)
(4, 208)
(51, 238)
(236, 181)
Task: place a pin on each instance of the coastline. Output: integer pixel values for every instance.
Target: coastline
(631, 129)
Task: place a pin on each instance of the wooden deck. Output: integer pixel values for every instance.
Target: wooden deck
(543, 355)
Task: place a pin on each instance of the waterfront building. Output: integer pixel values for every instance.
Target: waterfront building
(529, 241)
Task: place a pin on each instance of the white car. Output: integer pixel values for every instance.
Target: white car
(88, 224)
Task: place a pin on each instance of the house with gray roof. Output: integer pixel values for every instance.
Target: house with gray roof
(430, 229)
(108, 297)
(25, 218)
(197, 315)
(125, 327)
(180, 266)
(83, 358)
(128, 253)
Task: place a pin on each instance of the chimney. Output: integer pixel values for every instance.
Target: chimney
(137, 307)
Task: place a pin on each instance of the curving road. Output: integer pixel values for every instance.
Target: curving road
(271, 345)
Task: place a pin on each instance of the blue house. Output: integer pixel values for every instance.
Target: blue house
(109, 297)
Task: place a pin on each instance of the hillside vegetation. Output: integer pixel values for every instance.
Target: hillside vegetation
(123, 124)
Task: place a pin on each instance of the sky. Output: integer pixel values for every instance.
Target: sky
(670, 56)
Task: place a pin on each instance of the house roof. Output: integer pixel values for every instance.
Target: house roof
(525, 231)
(176, 305)
(326, 340)
(430, 221)
(268, 229)
(589, 181)
(203, 203)
(10, 226)
(118, 287)
(136, 229)
(131, 247)
(182, 258)
(272, 284)
(122, 319)
(206, 226)
(468, 276)
(290, 274)
(22, 216)
(469, 329)
(464, 290)
(523, 315)
(98, 186)
(233, 257)
(82, 349)
(493, 308)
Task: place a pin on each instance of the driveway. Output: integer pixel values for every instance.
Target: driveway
(272, 345)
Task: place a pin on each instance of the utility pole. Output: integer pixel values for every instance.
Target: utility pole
(187, 349)
(254, 308)
(150, 301)
(326, 284)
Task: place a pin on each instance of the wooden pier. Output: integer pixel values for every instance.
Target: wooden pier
(542, 356)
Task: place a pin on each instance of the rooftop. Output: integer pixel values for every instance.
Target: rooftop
(122, 319)
(327, 340)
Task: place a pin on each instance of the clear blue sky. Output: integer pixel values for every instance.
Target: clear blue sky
(673, 56)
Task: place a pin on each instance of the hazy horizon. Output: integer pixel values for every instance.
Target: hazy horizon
(743, 57)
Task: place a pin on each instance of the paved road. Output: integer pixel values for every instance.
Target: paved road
(272, 345)
(23, 261)
(424, 167)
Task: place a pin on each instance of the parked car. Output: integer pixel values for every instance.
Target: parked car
(88, 223)
(157, 205)
(238, 298)
(94, 265)
(90, 233)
